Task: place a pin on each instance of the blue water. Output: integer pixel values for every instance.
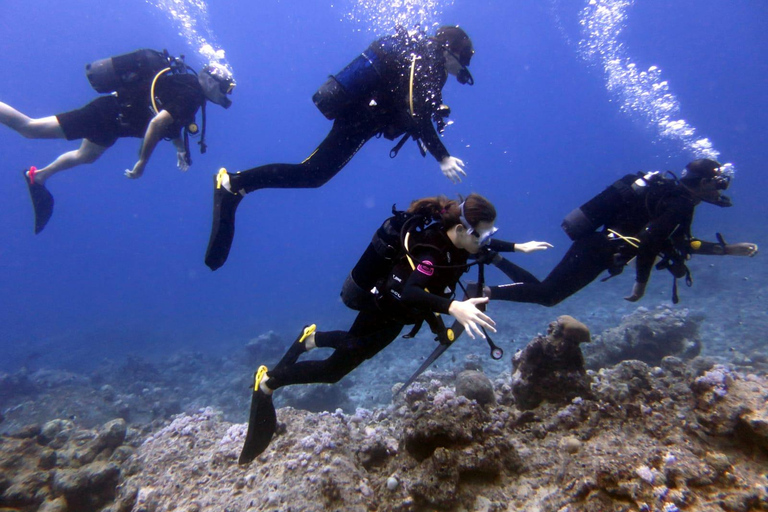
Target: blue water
(119, 269)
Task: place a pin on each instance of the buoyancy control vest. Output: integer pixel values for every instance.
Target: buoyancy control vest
(380, 257)
(371, 279)
(362, 81)
(139, 70)
(606, 206)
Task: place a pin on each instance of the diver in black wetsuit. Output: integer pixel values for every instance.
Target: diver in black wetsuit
(421, 282)
(393, 89)
(643, 217)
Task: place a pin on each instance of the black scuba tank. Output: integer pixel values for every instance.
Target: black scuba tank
(353, 84)
(605, 206)
(113, 73)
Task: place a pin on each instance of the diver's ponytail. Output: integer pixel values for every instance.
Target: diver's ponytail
(440, 209)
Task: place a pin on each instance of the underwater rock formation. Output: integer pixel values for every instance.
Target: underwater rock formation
(648, 336)
(475, 385)
(265, 347)
(551, 367)
(58, 467)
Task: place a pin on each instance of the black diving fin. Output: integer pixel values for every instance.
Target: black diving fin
(42, 200)
(223, 228)
(262, 422)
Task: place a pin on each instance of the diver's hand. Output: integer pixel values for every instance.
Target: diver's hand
(532, 246)
(741, 249)
(452, 168)
(137, 170)
(638, 290)
(472, 290)
(467, 314)
(181, 161)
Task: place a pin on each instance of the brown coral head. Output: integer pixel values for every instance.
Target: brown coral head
(568, 328)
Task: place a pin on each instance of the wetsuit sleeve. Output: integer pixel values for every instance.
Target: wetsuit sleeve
(424, 278)
(501, 245)
(676, 215)
(432, 141)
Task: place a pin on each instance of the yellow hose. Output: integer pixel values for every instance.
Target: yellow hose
(152, 89)
(410, 85)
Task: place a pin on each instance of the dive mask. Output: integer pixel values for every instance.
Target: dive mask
(219, 84)
(483, 237)
(723, 176)
(463, 76)
(721, 180)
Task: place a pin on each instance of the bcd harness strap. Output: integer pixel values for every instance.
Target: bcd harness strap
(434, 320)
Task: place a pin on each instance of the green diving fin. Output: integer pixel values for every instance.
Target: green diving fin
(262, 422)
(42, 200)
(223, 228)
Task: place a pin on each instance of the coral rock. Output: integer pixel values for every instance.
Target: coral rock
(475, 386)
(647, 336)
(552, 367)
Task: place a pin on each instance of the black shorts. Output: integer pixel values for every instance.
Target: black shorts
(98, 122)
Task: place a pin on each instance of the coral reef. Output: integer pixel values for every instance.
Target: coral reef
(551, 367)
(58, 467)
(644, 441)
(648, 336)
(677, 434)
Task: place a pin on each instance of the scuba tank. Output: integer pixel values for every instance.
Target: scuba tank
(113, 73)
(356, 82)
(604, 207)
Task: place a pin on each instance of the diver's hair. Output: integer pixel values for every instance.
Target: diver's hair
(477, 209)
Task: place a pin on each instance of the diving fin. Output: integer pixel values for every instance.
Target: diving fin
(42, 200)
(297, 347)
(262, 422)
(223, 228)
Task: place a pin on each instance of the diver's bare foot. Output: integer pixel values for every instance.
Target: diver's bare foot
(35, 176)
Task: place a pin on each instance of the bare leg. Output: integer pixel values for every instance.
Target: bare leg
(43, 128)
(87, 153)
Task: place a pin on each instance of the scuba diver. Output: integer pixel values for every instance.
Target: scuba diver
(415, 261)
(151, 96)
(643, 217)
(393, 89)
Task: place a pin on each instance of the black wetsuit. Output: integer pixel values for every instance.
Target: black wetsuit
(127, 114)
(661, 220)
(390, 117)
(404, 300)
